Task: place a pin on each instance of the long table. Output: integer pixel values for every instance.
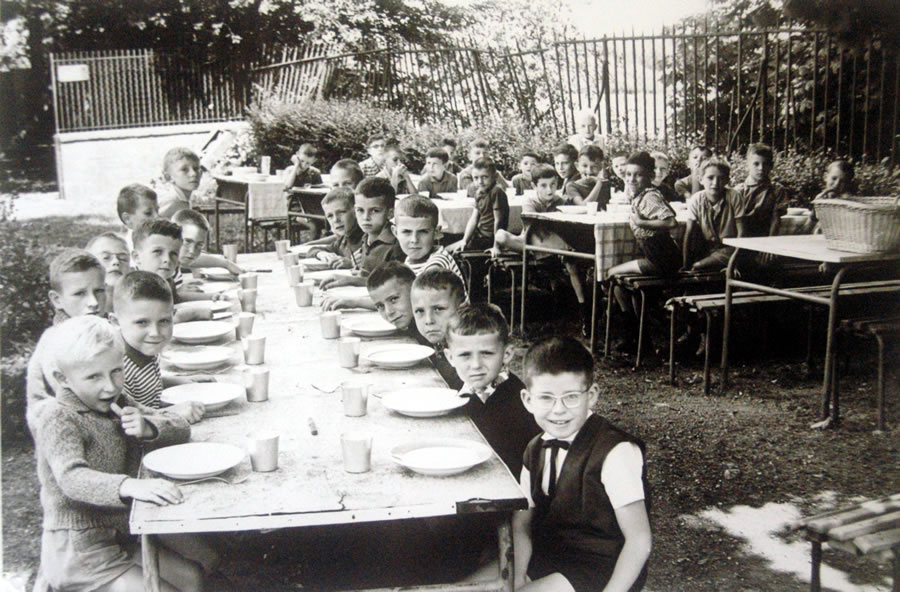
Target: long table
(310, 487)
(256, 198)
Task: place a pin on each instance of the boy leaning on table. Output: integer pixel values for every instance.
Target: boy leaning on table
(436, 295)
(389, 287)
(194, 230)
(346, 235)
(112, 251)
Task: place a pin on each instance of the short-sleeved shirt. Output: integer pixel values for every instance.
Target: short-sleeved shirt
(370, 168)
(649, 204)
(758, 204)
(534, 204)
(308, 176)
(345, 245)
(440, 259)
(384, 248)
(687, 186)
(522, 183)
(143, 380)
(716, 220)
(431, 187)
(579, 188)
(486, 203)
(464, 180)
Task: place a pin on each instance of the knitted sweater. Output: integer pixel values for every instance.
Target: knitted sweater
(84, 456)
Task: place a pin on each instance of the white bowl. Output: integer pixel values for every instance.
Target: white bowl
(213, 395)
(198, 358)
(400, 355)
(424, 401)
(195, 460)
(214, 274)
(369, 325)
(441, 456)
(201, 331)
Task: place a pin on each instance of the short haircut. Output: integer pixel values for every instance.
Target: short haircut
(844, 166)
(593, 152)
(375, 138)
(543, 171)
(192, 217)
(763, 150)
(566, 149)
(448, 142)
(438, 153)
(619, 154)
(527, 154)
(439, 279)
(485, 164)
(110, 235)
(155, 226)
(657, 155)
(585, 114)
(558, 355)
(71, 260)
(378, 187)
(720, 164)
(417, 206)
(479, 143)
(176, 154)
(78, 340)
(141, 285)
(643, 160)
(344, 194)
(390, 270)
(480, 319)
(703, 148)
(130, 198)
(308, 149)
(351, 166)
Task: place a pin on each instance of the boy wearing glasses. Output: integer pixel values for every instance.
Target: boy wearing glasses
(587, 527)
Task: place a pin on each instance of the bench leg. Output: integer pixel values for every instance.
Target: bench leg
(609, 304)
(827, 387)
(726, 329)
(507, 560)
(672, 346)
(896, 569)
(512, 299)
(880, 341)
(594, 308)
(216, 216)
(706, 351)
(640, 345)
(815, 584)
(809, 341)
(150, 563)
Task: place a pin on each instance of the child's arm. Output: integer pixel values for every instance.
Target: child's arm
(342, 280)
(210, 260)
(501, 214)
(192, 314)
(155, 491)
(521, 532)
(689, 230)
(164, 427)
(460, 245)
(337, 302)
(635, 526)
(652, 224)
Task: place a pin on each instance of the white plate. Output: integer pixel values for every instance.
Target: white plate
(400, 355)
(424, 401)
(572, 209)
(313, 264)
(213, 305)
(318, 276)
(213, 395)
(441, 456)
(194, 460)
(369, 326)
(201, 331)
(214, 273)
(198, 358)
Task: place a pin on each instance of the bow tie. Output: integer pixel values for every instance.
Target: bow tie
(554, 443)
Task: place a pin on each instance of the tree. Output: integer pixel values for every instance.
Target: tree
(854, 22)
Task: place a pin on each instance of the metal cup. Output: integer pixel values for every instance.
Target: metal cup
(248, 300)
(295, 274)
(265, 165)
(290, 259)
(303, 292)
(244, 326)
(331, 324)
(348, 351)
(230, 252)
(281, 247)
(257, 382)
(357, 452)
(249, 281)
(355, 396)
(263, 449)
(592, 208)
(254, 349)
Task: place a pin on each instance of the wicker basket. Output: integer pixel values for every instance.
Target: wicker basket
(860, 224)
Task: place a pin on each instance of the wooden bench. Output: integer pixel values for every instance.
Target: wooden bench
(870, 527)
(879, 328)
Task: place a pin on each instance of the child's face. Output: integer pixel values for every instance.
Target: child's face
(546, 396)
(433, 311)
(158, 254)
(564, 166)
(434, 167)
(695, 158)
(341, 177)
(376, 150)
(98, 381)
(544, 188)
(113, 255)
(588, 167)
(391, 159)
(450, 150)
(146, 210)
(835, 180)
(662, 170)
(146, 324)
(185, 173)
(416, 237)
(306, 159)
(618, 165)
(526, 165)
(758, 168)
(586, 127)
(478, 359)
(637, 178)
(371, 215)
(392, 301)
(714, 181)
(340, 216)
(476, 152)
(482, 179)
(192, 240)
(80, 293)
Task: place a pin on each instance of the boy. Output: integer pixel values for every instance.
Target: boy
(375, 163)
(143, 313)
(762, 201)
(712, 214)
(491, 211)
(389, 288)
(564, 158)
(346, 235)
(436, 178)
(587, 528)
(436, 295)
(617, 178)
(77, 285)
(522, 181)
(585, 188)
(194, 230)
(112, 251)
(661, 177)
(87, 442)
(136, 204)
(586, 124)
(449, 146)
(346, 173)
(302, 171)
(478, 348)
(157, 248)
(477, 150)
(689, 185)
(395, 170)
(415, 225)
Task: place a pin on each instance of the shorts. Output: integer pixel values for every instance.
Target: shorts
(586, 573)
(85, 559)
(662, 256)
(480, 243)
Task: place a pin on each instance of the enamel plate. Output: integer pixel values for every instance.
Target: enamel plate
(213, 395)
(194, 460)
(440, 457)
(199, 358)
(201, 331)
(423, 402)
(401, 355)
(214, 273)
(318, 276)
(370, 326)
(313, 264)
(572, 209)
(213, 305)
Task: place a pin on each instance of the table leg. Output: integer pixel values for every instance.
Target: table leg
(216, 216)
(672, 324)
(594, 306)
(726, 329)
(827, 381)
(880, 340)
(507, 559)
(815, 584)
(707, 353)
(609, 308)
(150, 562)
(524, 278)
(640, 345)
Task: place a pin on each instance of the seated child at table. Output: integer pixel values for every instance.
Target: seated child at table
(346, 235)
(112, 251)
(302, 172)
(135, 205)
(436, 178)
(181, 171)
(661, 177)
(491, 212)
(522, 181)
(589, 186)
(564, 158)
(395, 170)
(586, 124)
(588, 527)
(449, 145)
(690, 184)
(374, 165)
(478, 348)
(143, 313)
(88, 442)
(346, 173)
(477, 150)
(616, 174)
(389, 287)
(194, 230)
(711, 214)
(415, 224)
(436, 295)
(762, 201)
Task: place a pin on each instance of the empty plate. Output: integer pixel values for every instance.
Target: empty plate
(213, 305)
(441, 456)
(423, 402)
(347, 292)
(201, 331)
(213, 395)
(195, 460)
(214, 273)
(198, 358)
(318, 276)
(218, 287)
(400, 355)
(369, 326)
(572, 209)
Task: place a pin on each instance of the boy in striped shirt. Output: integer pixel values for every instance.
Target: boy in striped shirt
(415, 226)
(143, 311)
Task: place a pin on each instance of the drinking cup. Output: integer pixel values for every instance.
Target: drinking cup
(257, 382)
(249, 281)
(230, 251)
(303, 292)
(348, 352)
(331, 324)
(244, 325)
(248, 300)
(355, 396)
(290, 259)
(462, 194)
(295, 274)
(281, 247)
(265, 165)
(357, 452)
(254, 349)
(263, 448)
(592, 208)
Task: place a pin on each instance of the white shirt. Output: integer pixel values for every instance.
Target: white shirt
(485, 393)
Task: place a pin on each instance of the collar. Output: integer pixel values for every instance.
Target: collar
(545, 436)
(136, 356)
(60, 316)
(485, 393)
(356, 236)
(385, 237)
(751, 185)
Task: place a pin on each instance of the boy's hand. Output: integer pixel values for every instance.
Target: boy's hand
(494, 252)
(234, 268)
(133, 423)
(335, 281)
(155, 491)
(192, 411)
(334, 303)
(340, 263)
(456, 247)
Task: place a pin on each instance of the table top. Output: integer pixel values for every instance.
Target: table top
(599, 219)
(247, 179)
(310, 486)
(811, 247)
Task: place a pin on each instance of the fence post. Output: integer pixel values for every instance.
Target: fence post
(606, 86)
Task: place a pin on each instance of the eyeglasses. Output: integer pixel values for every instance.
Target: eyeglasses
(569, 400)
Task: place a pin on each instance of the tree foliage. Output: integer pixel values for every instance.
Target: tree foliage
(854, 22)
